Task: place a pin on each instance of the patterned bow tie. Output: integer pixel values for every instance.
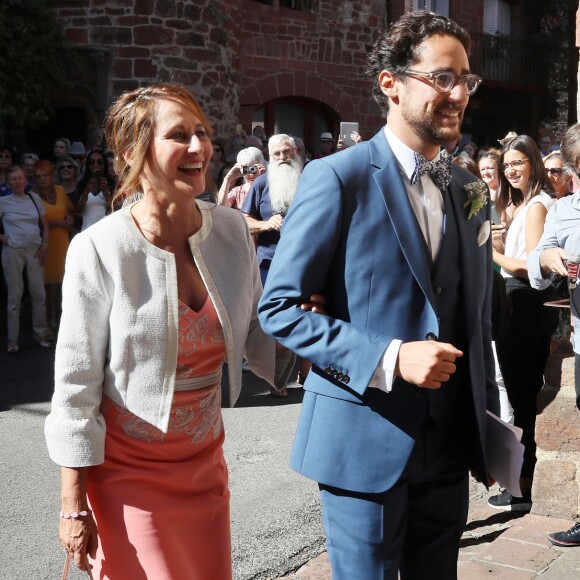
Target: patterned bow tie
(439, 171)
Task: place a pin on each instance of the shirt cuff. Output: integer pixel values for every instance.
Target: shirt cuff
(385, 373)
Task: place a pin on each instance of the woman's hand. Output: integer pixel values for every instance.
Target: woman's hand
(497, 237)
(92, 186)
(41, 253)
(4, 239)
(79, 536)
(234, 173)
(69, 220)
(104, 186)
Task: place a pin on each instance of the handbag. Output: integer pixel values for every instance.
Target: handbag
(67, 566)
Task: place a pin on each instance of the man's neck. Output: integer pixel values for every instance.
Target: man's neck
(406, 135)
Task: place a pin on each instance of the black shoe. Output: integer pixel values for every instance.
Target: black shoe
(506, 501)
(566, 539)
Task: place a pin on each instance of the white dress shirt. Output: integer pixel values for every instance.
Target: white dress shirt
(427, 203)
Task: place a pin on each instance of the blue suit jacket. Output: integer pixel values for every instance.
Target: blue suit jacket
(351, 234)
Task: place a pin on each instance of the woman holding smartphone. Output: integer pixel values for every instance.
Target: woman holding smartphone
(95, 189)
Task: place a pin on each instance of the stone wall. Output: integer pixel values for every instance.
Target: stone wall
(556, 489)
(319, 56)
(235, 55)
(192, 43)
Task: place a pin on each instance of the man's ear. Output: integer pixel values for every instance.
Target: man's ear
(389, 85)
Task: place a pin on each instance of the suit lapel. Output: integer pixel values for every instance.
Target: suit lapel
(408, 232)
(470, 274)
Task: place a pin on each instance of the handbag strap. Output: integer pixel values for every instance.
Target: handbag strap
(37, 211)
(67, 566)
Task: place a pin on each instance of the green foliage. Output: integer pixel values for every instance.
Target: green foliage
(555, 20)
(33, 58)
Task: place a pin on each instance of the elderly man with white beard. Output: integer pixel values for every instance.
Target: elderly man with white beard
(267, 204)
(270, 196)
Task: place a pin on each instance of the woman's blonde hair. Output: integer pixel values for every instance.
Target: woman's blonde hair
(130, 128)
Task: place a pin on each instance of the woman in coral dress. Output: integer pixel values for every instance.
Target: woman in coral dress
(155, 297)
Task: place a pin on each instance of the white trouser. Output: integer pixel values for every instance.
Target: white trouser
(506, 410)
(14, 262)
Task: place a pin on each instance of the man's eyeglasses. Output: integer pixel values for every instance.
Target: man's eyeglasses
(66, 167)
(444, 82)
(558, 171)
(517, 165)
(79, 157)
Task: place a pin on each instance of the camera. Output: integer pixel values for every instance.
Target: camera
(252, 169)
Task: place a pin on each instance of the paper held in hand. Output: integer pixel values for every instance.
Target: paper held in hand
(505, 453)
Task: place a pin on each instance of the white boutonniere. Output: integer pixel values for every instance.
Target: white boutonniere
(476, 197)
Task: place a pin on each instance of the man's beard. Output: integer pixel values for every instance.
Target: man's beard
(282, 181)
(428, 127)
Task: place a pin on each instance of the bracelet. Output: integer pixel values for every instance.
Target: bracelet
(75, 515)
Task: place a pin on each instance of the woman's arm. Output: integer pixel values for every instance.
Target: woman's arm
(535, 221)
(43, 248)
(77, 534)
(517, 267)
(228, 183)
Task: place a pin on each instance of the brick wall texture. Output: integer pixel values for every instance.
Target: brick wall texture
(235, 55)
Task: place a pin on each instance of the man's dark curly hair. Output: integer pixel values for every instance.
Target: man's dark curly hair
(398, 47)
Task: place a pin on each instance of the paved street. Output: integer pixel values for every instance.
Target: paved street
(275, 513)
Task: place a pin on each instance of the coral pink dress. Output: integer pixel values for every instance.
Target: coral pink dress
(161, 500)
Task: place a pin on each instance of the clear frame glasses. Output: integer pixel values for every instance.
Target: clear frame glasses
(444, 82)
(517, 165)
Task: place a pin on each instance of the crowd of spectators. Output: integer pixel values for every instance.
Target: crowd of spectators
(75, 189)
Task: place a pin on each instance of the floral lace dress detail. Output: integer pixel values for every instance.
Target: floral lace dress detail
(195, 413)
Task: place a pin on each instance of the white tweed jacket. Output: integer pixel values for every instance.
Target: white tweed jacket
(119, 328)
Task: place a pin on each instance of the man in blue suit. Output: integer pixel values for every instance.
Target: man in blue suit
(394, 408)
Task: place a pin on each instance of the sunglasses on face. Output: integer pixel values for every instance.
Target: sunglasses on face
(557, 171)
(66, 167)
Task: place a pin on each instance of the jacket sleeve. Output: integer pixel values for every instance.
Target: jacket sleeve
(549, 239)
(75, 428)
(312, 239)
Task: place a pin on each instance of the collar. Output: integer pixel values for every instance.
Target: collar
(405, 155)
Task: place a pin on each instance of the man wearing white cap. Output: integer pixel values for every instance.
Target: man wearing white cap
(326, 145)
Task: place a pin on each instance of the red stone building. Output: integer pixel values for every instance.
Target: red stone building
(295, 66)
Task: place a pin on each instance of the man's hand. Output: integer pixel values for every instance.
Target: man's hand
(426, 363)
(551, 260)
(316, 303)
(274, 223)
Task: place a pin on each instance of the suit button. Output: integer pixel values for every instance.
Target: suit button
(438, 289)
(430, 336)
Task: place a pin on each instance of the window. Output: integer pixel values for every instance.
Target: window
(302, 5)
(496, 17)
(438, 6)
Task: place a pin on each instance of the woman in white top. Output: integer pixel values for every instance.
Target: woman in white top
(95, 189)
(523, 353)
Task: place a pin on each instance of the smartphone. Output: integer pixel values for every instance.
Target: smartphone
(345, 130)
(495, 219)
